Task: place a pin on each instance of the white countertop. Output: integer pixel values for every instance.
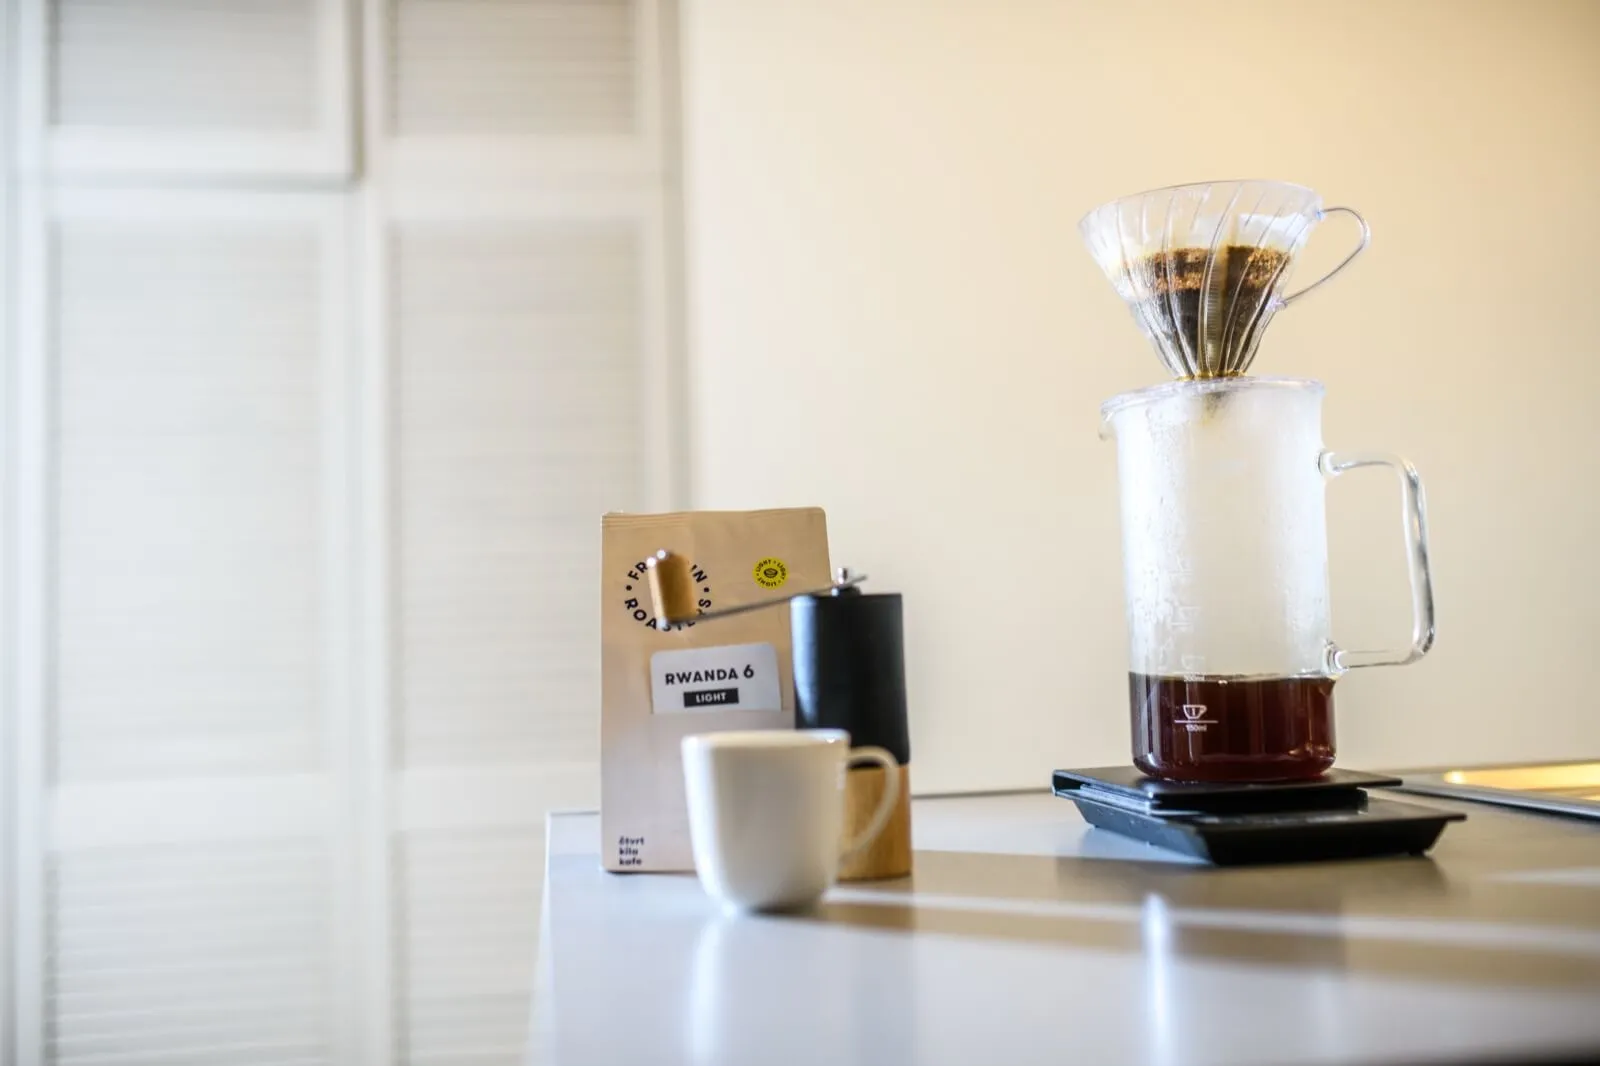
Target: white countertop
(1024, 936)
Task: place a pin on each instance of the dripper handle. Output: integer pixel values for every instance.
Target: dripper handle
(1414, 521)
(1366, 238)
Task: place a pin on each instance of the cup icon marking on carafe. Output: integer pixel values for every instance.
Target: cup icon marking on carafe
(1194, 717)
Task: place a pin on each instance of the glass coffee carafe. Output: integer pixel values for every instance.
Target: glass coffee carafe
(1222, 484)
(1225, 567)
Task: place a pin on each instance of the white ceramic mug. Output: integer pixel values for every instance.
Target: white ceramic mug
(766, 811)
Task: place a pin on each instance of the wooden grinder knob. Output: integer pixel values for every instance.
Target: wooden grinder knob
(671, 586)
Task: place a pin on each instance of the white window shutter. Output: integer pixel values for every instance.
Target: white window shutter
(8, 525)
(523, 306)
(305, 636)
(517, 350)
(468, 907)
(197, 873)
(189, 635)
(538, 92)
(514, 68)
(200, 953)
(195, 88)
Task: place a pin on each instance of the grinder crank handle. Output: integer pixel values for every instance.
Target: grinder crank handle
(672, 589)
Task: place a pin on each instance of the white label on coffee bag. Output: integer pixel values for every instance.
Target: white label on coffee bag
(733, 677)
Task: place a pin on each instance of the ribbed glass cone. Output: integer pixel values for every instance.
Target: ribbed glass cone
(1203, 266)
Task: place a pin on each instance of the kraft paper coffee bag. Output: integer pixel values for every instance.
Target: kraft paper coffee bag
(658, 686)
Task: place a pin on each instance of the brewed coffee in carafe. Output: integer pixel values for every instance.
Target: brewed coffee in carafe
(1222, 478)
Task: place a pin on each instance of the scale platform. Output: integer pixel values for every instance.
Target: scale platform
(1329, 817)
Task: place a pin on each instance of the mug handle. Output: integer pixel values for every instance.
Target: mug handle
(1414, 519)
(886, 802)
(1366, 238)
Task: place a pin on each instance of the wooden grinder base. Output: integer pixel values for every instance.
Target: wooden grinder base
(890, 854)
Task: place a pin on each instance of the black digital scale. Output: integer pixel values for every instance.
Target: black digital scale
(1329, 817)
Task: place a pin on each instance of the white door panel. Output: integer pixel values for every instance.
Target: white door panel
(536, 92)
(191, 89)
(191, 704)
(307, 463)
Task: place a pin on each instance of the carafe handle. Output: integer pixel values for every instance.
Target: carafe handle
(1366, 238)
(1414, 522)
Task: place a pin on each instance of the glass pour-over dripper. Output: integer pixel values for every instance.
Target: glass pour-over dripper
(1202, 266)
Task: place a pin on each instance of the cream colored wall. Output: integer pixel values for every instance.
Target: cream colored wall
(891, 315)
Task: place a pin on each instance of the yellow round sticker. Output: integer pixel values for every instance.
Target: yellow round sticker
(771, 573)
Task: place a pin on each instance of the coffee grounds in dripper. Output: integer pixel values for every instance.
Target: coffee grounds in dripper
(1207, 308)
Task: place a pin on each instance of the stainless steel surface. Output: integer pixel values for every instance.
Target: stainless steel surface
(1026, 937)
(1559, 788)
